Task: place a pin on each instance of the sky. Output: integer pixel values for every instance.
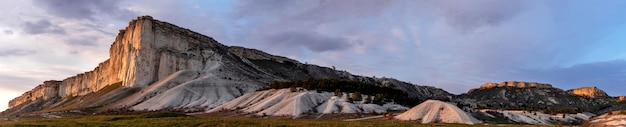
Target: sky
(453, 45)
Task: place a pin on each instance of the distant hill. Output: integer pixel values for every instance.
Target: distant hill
(532, 96)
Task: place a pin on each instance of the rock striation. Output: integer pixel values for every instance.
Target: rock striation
(592, 92)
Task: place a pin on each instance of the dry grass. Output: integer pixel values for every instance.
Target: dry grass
(168, 120)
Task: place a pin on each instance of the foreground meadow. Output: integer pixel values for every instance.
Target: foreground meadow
(169, 120)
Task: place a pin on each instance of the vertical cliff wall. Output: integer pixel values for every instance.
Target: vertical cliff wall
(47, 90)
(142, 53)
(120, 67)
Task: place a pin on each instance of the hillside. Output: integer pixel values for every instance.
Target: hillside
(433, 111)
(283, 102)
(530, 97)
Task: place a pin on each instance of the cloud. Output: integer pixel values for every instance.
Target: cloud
(311, 10)
(42, 26)
(8, 32)
(312, 41)
(16, 52)
(85, 9)
(606, 74)
(84, 41)
(466, 16)
(318, 26)
(74, 51)
(17, 83)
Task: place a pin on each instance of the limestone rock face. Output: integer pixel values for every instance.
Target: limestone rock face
(127, 53)
(592, 92)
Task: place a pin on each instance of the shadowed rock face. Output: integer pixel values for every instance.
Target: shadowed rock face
(592, 92)
(149, 51)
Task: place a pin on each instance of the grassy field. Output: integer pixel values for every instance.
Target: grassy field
(169, 120)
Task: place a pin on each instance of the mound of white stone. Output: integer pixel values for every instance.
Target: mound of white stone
(432, 111)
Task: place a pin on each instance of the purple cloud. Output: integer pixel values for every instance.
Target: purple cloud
(42, 26)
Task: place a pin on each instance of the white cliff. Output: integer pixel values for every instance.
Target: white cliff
(163, 66)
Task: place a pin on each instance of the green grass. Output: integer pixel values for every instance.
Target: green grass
(193, 121)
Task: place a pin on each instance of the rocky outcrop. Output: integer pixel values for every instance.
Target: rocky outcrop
(592, 92)
(517, 84)
(621, 98)
(514, 84)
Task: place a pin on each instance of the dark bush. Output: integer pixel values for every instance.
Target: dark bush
(163, 114)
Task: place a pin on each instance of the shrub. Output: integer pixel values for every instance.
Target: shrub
(163, 114)
(382, 94)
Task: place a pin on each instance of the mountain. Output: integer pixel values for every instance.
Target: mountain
(518, 95)
(155, 65)
(512, 102)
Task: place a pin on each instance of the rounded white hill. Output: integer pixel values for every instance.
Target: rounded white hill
(432, 111)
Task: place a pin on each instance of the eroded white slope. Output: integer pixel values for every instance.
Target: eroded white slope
(283, 102)
(431, 110)
(199, 94)
(541, 118)
(189, 90)
(164, 84)
(614, 120)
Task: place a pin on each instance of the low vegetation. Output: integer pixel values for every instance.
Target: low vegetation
(376, 94)
(194, 121)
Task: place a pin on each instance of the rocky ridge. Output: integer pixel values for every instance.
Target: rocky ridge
(516, 84)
